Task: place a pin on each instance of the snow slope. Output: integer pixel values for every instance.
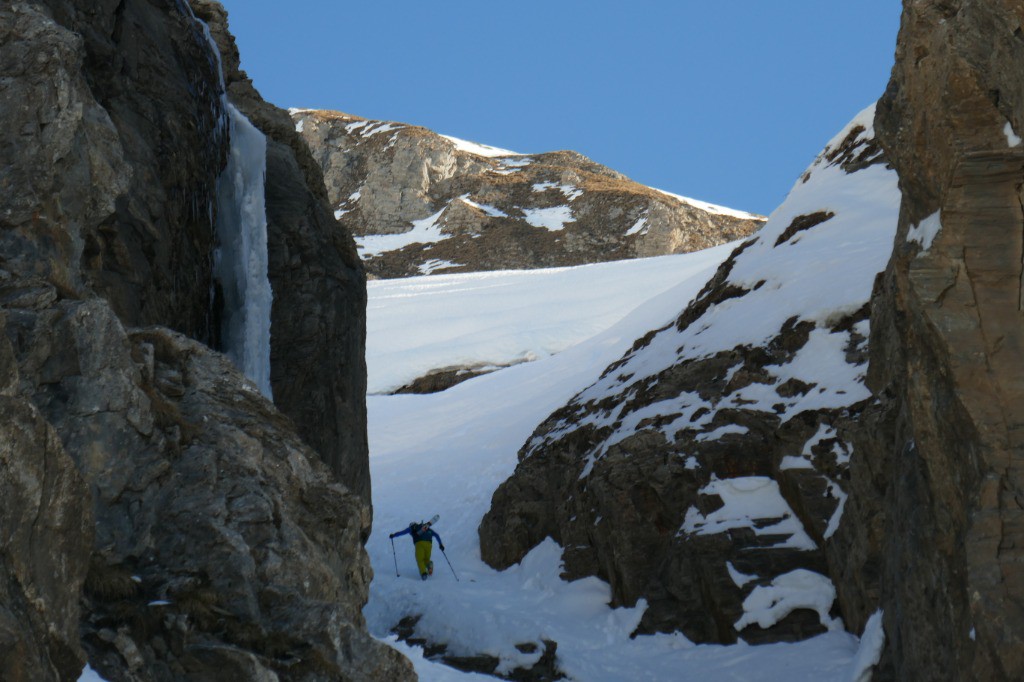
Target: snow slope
(447, 452)
(819, 274)
(501, 318)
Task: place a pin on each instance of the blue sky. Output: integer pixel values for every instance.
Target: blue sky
(726, 101)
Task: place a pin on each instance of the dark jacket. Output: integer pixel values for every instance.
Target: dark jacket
(420, 533)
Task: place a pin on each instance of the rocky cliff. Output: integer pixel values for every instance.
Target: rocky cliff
(318, 371)
(418, 203)
(933, 534)
(159, 516)
(705, 472)
(903, 499)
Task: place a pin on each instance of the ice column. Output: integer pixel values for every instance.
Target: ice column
(240, 260)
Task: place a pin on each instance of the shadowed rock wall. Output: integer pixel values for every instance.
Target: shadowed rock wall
(934, 529)
(157, 510)
(318, 320)
(99, 101)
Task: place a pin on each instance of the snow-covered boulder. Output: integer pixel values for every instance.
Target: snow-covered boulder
(705, 471)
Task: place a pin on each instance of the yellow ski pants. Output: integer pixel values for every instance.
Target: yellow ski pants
(423, 549)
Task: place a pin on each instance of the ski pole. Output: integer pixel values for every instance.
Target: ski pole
(450, 566)
(395, 556)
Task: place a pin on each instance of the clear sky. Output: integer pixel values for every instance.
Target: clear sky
(726, 101)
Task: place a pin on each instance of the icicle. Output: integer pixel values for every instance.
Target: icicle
(240, 259)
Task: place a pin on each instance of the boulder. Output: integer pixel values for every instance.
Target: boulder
(704, 472)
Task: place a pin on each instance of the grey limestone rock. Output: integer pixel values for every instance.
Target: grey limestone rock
(495, 210)
(156, 510)
(318, 320)
(222, 543)
(45, 541)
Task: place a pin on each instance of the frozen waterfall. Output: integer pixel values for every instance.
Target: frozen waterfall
(240, 260)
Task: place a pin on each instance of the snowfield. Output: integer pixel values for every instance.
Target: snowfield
(446, 453)
(493, 319)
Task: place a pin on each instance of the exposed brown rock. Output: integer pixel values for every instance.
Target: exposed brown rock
(933, 532)
(381, 177)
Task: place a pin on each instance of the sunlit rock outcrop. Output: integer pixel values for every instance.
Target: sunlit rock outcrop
(421, 203)
(705, 472)
(932, 535)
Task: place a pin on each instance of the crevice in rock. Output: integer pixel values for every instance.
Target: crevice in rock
(1020, 279)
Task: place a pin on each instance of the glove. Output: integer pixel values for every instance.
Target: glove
(441, 546)
(392, 536)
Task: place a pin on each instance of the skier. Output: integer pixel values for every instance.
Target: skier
(422, 538)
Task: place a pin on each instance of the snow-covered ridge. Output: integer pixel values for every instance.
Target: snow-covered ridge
(818, 275)
(484, 150)
(711, 208)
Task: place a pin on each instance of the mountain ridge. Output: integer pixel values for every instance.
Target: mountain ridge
(419, 202)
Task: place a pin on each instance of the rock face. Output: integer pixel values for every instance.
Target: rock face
(933, 534)
(224, 547)
(418, 203)
(46, 527)
(318, 321)
(95, 197)
(705, 471)
(156, 510)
